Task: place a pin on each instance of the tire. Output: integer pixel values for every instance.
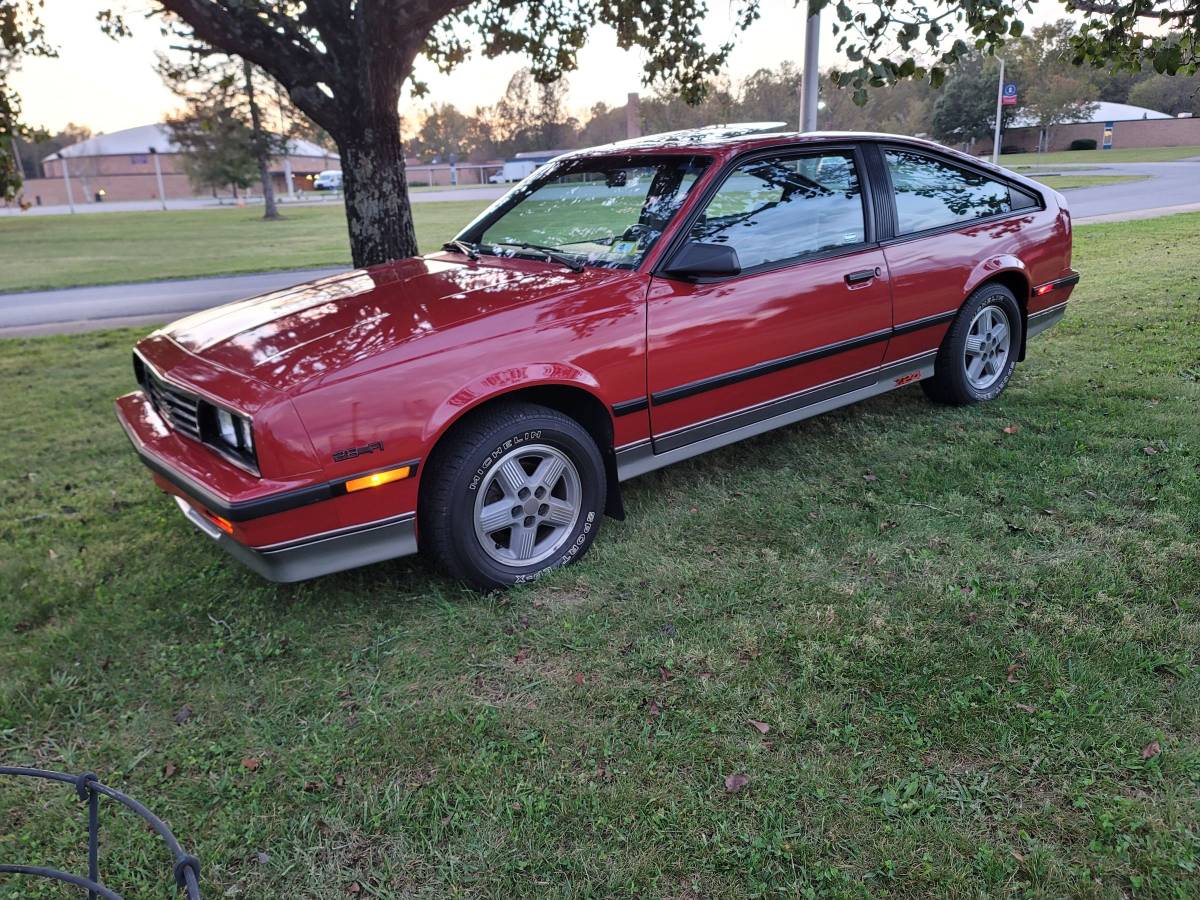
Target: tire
(978, 354)
(516, 490)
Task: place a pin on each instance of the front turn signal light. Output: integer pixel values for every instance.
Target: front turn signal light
(224, 524)
(375, 479)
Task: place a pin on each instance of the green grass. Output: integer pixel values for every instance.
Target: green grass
(1130, 155)
(961, 640)
(112, 248)
(1070, 182)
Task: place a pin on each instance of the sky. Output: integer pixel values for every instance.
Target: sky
(109, 85)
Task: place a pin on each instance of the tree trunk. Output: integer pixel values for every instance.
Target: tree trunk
(262, 149)
(378, 214)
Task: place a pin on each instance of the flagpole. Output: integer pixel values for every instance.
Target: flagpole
(999, 114)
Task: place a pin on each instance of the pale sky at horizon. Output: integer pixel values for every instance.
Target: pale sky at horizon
(109, 85)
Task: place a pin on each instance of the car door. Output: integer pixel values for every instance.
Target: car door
(808, 316)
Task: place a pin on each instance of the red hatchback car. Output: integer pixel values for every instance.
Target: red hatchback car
(623, 308)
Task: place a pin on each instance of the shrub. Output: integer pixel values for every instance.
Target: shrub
(1083, 144)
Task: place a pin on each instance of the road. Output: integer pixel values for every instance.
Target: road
(419, 195)
(1169, 187)
(1165, 186)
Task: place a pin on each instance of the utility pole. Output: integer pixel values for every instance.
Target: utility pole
(162, 194)
(999, 117)
(812, 77)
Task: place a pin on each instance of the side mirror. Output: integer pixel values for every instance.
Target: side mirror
(697, 259)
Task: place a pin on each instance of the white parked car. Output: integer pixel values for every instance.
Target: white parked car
(329, 180)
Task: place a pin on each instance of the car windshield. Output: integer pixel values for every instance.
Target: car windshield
(601, 211)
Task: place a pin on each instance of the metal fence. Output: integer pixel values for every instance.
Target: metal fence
(186, 870)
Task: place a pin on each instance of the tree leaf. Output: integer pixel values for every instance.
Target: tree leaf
(760, 727)
(250, 763)
(735, 782)
(1151, 750)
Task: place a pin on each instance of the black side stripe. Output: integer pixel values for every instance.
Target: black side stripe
(627, 407)
(786, 362)
(927, 322)
(1066, 280)
(766, 368)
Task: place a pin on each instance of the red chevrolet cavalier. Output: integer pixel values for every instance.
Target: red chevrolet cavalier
(622, 309)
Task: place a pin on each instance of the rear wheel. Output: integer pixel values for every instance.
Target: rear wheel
(518, 489)
(978, 354)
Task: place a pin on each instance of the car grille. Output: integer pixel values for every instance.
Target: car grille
(179, 409)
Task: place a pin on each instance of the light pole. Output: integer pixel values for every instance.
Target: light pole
(67, 181)
(812, 77)
(162, 195)
(999, 114)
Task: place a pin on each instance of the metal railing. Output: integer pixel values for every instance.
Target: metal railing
(89, 790)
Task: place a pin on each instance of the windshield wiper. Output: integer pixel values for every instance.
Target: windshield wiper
(551, 253)
(462, 247)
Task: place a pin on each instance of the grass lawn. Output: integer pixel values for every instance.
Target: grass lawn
(1130, 155)
(1070, 182)
(112, 248)
(972, 635)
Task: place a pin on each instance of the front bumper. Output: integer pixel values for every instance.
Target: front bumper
(289, 550)
(317, 555)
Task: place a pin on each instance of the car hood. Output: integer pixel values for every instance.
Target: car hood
(289, 337)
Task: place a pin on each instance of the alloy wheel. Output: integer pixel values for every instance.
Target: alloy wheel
(527, 505)
(989, 341)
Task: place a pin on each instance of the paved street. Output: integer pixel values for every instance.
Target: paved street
(420, 195)
(114, 306)
(1167, 185)
(1170, 187)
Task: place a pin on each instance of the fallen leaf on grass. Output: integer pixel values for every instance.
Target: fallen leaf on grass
(1011, 429)
(169, 769)
(250, 764)
(760, 727)
(1011, 671)
(339, 781)
(355, 888)
(185, 713)
(665, 674)
(1026, 708)
(579, 679)
(870, 476)
(655, 709)
(1017, 855)
(1151, 750)
(522, 655)
(1150, 451)
(735, 782)
(312, 787)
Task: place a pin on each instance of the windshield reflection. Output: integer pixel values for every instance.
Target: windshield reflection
(600, 211)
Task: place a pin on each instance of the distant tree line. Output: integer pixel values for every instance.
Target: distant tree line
(530, 116)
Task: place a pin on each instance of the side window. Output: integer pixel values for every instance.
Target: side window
(931, 193)
(776, 209)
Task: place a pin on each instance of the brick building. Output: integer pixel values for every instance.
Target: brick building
(122, 166)
(1132, 126)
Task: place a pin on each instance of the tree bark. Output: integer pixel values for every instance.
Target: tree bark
(261, 145)
(378, 214)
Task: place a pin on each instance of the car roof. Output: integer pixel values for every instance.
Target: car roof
(733, 139)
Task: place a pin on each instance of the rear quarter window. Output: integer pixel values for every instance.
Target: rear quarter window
(931, 193)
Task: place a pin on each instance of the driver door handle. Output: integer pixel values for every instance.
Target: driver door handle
(862, 276)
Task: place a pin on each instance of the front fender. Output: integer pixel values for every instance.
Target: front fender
(506, 381)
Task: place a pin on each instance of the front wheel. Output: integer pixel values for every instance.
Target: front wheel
(978, 354)
(517, 490)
